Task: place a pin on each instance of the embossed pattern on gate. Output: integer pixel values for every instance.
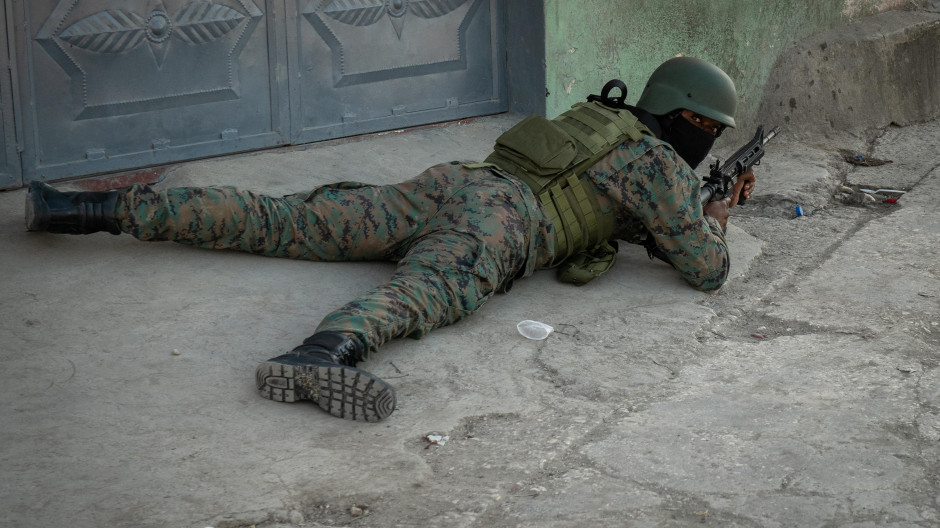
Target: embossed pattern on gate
(141, 56)
(430, 37)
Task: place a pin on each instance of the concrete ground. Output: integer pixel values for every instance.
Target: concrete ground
(806, 392)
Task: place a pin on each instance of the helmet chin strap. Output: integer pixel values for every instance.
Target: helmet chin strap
(666, 121)
(648, 119)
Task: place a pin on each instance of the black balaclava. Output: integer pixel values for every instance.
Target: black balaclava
(690, 142)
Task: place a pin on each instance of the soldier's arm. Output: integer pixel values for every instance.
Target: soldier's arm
(663, 193)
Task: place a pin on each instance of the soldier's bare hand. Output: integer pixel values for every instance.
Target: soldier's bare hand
(744, 186)
(719, 211)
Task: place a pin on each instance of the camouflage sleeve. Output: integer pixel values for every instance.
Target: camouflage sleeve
(662, 192)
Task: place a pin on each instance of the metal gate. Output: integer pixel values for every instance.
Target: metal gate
(9, 157)
(111, 85)
(374, 64)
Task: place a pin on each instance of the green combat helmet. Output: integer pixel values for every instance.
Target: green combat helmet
(692, 84)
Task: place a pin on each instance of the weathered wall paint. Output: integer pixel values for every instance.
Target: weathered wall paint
(588, 42)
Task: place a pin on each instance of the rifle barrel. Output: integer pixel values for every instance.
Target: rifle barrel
(770, 135)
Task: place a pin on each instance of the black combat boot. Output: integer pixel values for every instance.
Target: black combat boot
(323, 370)
(74, 213)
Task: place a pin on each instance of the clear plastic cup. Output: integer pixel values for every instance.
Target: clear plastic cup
(534, 329)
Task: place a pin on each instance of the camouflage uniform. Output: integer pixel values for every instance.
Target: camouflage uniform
(458, 234)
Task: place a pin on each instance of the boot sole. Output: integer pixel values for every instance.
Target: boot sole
(32, 215)
(343, 391)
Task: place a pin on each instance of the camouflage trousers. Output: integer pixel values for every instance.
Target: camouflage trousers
(458, 235)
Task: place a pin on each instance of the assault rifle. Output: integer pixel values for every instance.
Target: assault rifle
(721, 179)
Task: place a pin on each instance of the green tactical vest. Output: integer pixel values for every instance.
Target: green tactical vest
(551, 157)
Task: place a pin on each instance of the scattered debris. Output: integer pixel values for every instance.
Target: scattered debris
(758, 336)
(435, 439)
(358, 510)
(848, 195)
(907, 370)
(534, 329)
(857, 158)
(882, 191)
(861, 195)
(176, 352)
(887, 195)
(883, 195)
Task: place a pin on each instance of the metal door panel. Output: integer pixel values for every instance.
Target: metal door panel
(127, 83)
(368, 65)
(9, 160)
(107, 85)
(9, 157)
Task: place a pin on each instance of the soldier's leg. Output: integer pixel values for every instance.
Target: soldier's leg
(442, 280)
(346, 221)
(227, 218)
(473, 248)
(343, 221)
(214, 217)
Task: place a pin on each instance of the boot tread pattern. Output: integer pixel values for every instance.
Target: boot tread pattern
(343, 391)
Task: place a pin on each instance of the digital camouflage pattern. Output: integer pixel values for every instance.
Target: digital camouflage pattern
(458, 234)
(646, 184)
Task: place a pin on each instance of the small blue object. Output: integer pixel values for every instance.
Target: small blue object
(799, 211)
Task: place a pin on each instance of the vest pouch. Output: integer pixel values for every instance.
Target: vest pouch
(588, 265)
(538, 146)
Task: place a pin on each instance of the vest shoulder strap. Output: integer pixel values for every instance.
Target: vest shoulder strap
(551, 157)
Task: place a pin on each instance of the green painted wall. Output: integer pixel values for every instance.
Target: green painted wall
(588, 42)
